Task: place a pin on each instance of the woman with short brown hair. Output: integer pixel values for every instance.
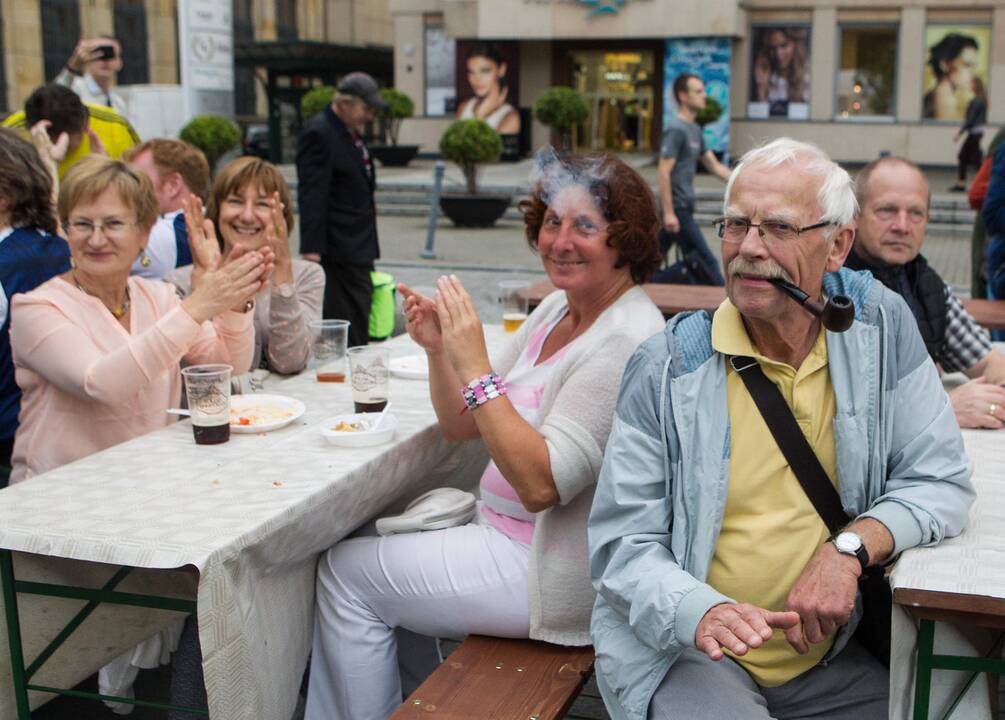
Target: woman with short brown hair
(250, 207)
(96, 352)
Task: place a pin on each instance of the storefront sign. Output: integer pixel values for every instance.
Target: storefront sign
(709, 59)
(595, 7)
(206, 44)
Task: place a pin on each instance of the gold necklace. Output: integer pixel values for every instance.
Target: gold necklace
(117, 312)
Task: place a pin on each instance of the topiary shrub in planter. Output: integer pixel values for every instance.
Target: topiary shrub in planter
(399, 107)
(710, 113)
(315, 100)
(469, 143)
(213, 134)
(562, 108)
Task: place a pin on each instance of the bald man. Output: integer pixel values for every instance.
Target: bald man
(893, 198)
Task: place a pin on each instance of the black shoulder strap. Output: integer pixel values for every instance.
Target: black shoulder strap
(791, 441)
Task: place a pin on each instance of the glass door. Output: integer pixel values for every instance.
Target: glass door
(619, 87)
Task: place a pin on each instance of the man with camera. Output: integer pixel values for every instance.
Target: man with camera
(90, 71)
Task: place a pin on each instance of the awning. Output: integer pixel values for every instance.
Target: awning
(296, 56)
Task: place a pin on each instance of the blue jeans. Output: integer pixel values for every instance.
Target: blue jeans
(690, 239)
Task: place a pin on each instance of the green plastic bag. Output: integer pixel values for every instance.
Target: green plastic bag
(382, 305)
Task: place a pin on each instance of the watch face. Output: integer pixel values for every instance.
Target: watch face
(848, 542)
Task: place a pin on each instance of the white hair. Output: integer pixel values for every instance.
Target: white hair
(836, 195)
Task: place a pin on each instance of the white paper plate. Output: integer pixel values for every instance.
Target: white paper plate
(410, 367)
(266, 412)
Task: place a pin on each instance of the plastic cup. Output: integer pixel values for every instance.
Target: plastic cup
(208, 390)
(328, 345)
(513, 299)
(369, 377)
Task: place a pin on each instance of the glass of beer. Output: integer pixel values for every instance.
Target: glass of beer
(328, 346)
(369, 377)
(513, 298)
(208, 391)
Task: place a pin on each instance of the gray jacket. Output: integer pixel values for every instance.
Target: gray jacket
(659, 502)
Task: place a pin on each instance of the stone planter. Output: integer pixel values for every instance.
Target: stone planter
(474, 210)
(394, 155)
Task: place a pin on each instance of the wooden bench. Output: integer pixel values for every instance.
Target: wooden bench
(672, 299)
(501, 679)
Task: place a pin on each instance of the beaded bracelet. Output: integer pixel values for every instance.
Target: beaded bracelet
(481, 390)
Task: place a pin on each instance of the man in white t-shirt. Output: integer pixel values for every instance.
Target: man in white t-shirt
(177, 170)
(91, 70)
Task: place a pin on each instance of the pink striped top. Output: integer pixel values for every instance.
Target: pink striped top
(525, 383)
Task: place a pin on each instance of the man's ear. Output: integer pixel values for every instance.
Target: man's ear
(176, 184)
(841, 245)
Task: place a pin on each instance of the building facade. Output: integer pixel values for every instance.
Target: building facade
(859, 77)
(281, 48)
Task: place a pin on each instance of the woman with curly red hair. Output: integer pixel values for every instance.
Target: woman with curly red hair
(543, 408)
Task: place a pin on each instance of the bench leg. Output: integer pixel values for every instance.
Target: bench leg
(923, 678)
(14, 635)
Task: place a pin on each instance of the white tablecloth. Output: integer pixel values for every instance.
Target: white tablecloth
(251, 516)
(973, 563)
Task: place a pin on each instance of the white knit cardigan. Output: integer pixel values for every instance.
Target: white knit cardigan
(577, 410)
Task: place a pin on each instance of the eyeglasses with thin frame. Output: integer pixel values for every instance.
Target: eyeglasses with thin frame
(81, 229)
(733, 230)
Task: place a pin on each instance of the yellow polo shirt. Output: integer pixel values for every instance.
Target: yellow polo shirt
(770, 529)
(114, 130)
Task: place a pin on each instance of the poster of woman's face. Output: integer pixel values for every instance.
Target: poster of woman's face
(487, 83)
(956, 71)
(780, 72)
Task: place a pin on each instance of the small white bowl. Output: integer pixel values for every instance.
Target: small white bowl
(359, 438)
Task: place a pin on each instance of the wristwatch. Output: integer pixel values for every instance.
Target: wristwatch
(849, 543)
(285, 290)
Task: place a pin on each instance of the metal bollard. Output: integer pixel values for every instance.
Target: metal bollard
(434, 209)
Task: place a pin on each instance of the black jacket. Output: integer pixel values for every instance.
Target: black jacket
(338, 218)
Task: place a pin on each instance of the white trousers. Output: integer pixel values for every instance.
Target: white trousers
(442, 583)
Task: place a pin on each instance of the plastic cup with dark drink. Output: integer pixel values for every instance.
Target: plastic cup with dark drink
(208, 390)
(369, 376)
(328, 345)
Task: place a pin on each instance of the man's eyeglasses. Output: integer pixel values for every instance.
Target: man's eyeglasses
(735, 229)
(83, 229)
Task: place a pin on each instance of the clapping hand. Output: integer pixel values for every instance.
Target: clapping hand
(278, 239)
(421, 320)
(230, 284)
(462, 331)
(201, 239)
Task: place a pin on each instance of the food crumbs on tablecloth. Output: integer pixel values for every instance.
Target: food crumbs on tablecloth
(263, 435)
(216, 482)
(277, 483)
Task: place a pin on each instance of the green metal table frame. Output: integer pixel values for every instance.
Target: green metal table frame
(106, 594)
(929, 607)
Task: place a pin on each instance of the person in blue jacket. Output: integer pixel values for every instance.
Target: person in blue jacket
(721, 592)
(31, 253)
(993, 214)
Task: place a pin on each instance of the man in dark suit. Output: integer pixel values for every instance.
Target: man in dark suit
(338, 218)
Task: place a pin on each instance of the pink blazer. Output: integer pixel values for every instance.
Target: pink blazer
(88, 384)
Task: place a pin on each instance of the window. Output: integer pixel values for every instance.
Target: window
(867, 74)
(440, 75)
(244, 77)
(286, 19)
(131, 31)
(60, 33)
(780, 72)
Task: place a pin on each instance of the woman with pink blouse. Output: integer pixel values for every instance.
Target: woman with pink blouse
(97, 353)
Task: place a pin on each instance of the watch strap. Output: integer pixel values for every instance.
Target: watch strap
(861, 553)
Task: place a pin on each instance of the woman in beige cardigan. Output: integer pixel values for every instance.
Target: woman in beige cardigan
(250, 206)
(519, 569)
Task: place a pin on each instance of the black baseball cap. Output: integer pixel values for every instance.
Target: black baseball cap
(361, 85)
